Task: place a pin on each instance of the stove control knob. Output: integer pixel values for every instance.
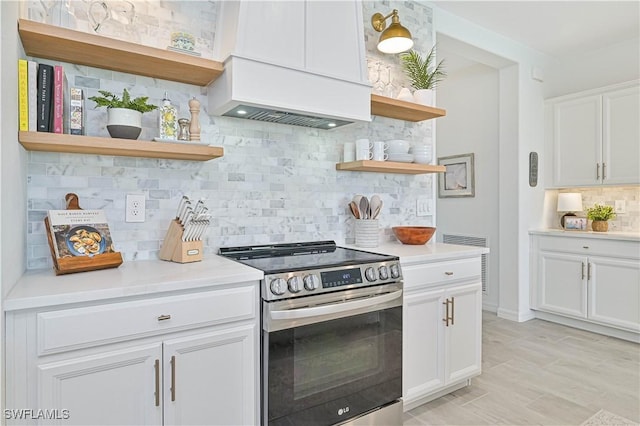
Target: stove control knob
(294, 284)
(370, 274)
(311, 282)
(384, 273)
(395, 271)
(278, 286)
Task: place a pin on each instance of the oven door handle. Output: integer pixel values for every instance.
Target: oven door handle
(334, 308)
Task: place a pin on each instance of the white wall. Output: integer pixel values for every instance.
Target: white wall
(613, 64)
(13, 197)
(471, 97)
(521, 131)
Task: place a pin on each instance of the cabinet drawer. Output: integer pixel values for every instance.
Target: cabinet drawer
(436, 273)
(590, 246)
(76, 328)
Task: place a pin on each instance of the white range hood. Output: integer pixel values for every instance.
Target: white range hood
(292, 62)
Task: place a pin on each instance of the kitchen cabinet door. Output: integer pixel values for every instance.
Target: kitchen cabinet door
(423, 344)
(614, 292)
(209, 378)
(621, 140)
(112, 388)
(463, 334)
(562, 283)
(577, 141)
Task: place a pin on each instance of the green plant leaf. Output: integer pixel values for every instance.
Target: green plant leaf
(421, 72)
(109, 100)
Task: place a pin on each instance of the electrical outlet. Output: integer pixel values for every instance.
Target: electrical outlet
(424, 207)
(620, 206)
(135, 208)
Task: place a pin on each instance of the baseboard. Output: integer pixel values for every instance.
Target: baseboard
(589, 326)
(416, 402)
(490, 307)
(515, 315)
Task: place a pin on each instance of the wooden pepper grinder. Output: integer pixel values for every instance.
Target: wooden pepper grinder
(194, 126)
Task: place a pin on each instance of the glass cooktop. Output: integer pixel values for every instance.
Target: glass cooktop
(279, 258)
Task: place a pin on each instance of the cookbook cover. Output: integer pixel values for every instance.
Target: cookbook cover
(80, 232)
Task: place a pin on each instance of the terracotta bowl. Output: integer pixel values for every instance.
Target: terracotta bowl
(414, 235)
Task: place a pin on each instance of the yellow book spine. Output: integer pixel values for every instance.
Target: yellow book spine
(23, 95)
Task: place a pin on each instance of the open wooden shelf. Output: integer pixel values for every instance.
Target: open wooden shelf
(403, 110)
(55, 142)
(389, 167)
(62, 44)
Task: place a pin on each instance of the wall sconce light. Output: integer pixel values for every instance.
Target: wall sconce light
(394, 39)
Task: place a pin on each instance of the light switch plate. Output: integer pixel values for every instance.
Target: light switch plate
(424, 207)
(620, 206)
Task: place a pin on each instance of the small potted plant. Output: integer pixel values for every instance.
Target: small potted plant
(423, 74)
(600, 214)
(124, 116)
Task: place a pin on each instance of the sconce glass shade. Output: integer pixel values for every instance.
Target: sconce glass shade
(569, 202)
(394, 39)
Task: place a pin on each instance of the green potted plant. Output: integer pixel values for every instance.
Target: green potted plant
(124, 115)
(423, 74)
(600, 214)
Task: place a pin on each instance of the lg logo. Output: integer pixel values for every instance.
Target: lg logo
(342, 411)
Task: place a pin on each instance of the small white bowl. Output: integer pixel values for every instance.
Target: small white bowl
(398, 146)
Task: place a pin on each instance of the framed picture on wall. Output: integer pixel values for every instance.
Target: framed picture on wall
(458, 180)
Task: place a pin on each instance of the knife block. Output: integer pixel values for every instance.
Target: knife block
(175, 250)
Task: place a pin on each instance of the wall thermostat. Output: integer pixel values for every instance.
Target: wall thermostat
(533, 169)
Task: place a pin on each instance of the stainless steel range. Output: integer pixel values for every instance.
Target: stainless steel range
(331, 334)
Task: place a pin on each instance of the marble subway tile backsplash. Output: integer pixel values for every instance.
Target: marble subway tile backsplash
(624, 222)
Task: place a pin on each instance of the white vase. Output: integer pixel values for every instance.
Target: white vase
(124, 123)
(423, 97)
(405, 95)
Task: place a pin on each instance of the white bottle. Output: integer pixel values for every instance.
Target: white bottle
(168, 119)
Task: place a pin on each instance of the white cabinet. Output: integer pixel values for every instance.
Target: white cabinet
(594, 138)
(591, 279)
(182, 359)
(441, 328)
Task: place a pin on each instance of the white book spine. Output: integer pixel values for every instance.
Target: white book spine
(32, 82)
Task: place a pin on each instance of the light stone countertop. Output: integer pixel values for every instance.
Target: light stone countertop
(42, 288)
(624, 236)
(430, 252)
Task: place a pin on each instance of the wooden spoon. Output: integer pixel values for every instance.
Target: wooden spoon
(354, 210)
(365, 213)
(375, 205)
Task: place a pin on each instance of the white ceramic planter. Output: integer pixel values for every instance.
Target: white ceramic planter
(423, 97)
(405, 95)
(124, 123)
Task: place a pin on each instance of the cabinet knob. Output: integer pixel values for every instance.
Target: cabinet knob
(164, 317)
(448, 273)
(585, 247)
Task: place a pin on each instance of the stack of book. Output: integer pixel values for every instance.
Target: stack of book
(46, 103)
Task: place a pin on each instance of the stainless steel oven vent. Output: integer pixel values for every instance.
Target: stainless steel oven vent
(284, 117)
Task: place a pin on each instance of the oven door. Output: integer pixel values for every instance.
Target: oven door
(332, 357)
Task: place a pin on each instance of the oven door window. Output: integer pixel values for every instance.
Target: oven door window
(327, 372)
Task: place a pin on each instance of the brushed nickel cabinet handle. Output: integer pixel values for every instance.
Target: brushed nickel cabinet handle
(589, 271)
(453, 309)
(597, 171)
(583, 270)
(157, 393)
(173, 378)
(585, 247)
(446, 315)
(604, 171)
(164, 317)
(448, 273)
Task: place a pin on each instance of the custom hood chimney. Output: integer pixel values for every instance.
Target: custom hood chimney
(292, 62)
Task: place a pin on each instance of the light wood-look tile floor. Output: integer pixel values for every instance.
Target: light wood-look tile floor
(541, 373)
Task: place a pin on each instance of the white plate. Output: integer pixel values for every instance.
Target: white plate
(401, 158)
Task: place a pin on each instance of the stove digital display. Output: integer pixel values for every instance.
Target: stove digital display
(341, 277)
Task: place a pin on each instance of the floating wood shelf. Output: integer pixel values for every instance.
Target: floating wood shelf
(402, 110)
(62, 44)
(389, 167)
(54, 142)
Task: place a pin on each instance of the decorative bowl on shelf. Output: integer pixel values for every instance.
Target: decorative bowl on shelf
(413, 235)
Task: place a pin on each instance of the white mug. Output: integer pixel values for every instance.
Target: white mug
(349, 152)
(363, 149)
(379, 149)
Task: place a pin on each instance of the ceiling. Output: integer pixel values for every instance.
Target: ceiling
(556, 28)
